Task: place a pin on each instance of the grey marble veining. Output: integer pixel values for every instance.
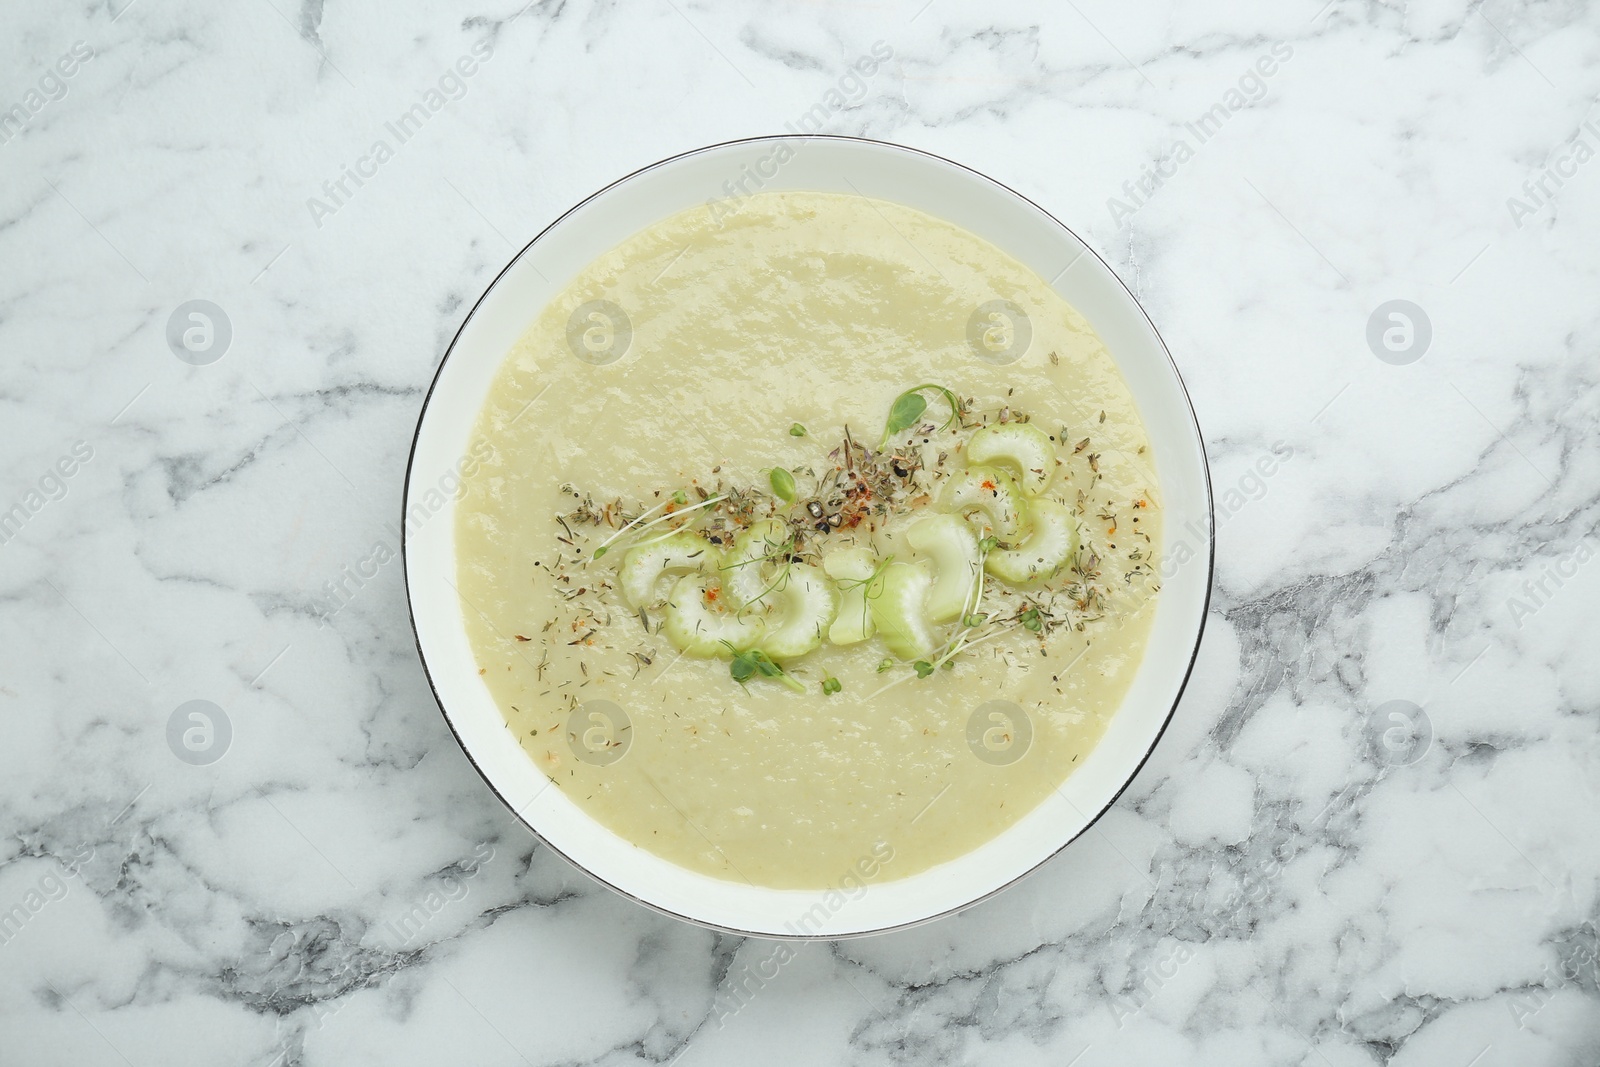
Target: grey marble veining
(1297, 876)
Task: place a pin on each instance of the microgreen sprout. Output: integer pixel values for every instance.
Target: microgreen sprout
(752, 662)
(909, 406)
(639, 523)
(873, 592)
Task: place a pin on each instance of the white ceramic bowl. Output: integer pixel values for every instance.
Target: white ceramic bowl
(830, 164)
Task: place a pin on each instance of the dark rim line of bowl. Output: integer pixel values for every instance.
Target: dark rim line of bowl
(1211, 544)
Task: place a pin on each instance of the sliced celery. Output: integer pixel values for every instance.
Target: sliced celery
(809, 603)
(1021, 446)
(993, 492)
(697, 628)
(748, 570)
(852, 569)
(673, 554)
(900, 610)
(949, 541)
(1049, 545)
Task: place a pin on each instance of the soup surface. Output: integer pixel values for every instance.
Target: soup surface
(808, 532)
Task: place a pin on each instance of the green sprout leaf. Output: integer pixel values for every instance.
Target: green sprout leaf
(680, 498)
(1031, 620)
(923, 668)
(907, 409)
(831, 685)
(746, 665)
(884, 665)
(782, 484)
(797, 430)
(602, 550)
(909, 406)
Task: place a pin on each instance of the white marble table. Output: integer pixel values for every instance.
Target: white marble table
(1296, 877)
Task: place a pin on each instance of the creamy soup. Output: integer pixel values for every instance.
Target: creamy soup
(811, 533)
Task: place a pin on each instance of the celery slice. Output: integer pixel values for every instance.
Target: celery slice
(852, 569)
(994, 493)
(1051, 543)
(1021, 446)
(810, 602)
(949, 541)
(748, 571)
(900, 610)
(675, 553)
(698, 629)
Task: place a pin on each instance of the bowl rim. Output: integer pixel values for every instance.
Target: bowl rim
(1210, 526)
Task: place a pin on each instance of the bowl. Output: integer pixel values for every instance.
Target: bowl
(716, 176)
